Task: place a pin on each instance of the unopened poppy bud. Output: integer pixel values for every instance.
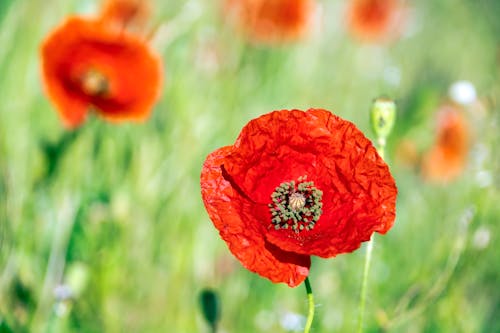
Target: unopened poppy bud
(210, 307)
(382, 117)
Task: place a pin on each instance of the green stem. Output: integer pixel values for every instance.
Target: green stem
(381, 147)
(310, 300)
(368, 258)
(364, 285)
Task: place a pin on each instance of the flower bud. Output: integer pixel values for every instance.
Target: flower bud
(382, 117)
(210, 306)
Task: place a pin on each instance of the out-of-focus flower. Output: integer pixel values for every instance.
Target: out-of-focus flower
(447, 158)
(481, 238)
(86, 65)
(62, 292)
(463, 93)
(297, 184)
(272, 21)
(125, 14)
(63, 295)
(484, 178)
(375, 20)
(292, 322)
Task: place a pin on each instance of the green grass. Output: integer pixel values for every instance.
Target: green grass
(117, 213)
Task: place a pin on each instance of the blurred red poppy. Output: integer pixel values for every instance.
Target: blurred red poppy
(272, 21)
(297, 184)
(447, 158)
(87, 65)
(374, 20)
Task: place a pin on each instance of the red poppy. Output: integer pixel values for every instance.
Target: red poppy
(297, 184)
(87, 65)
(447, 158)
(272, 21)
(374, 20)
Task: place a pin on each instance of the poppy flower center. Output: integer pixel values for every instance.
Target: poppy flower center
(94, 83)
(296, 205)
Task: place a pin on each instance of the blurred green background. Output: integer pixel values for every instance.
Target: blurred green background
(104, 230)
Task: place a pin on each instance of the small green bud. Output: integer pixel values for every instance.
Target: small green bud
(210, 307)
(382, 117)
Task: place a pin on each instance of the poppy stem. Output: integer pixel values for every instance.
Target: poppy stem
(364, 285)
(310, 300)
(368, 258)
(381, 148)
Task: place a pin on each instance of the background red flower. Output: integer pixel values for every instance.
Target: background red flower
(85, 65)
(447, 158)
(354, 192)
(272, 21)
(374, 20)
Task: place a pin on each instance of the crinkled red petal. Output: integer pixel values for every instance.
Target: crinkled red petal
(237, 219)
(78, 45)
(359, 193)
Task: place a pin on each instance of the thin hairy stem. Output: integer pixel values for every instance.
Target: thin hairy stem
(310, 300)
(368, 259)
(364, 285)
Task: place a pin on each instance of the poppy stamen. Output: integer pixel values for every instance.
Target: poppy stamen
(296, 205)
(94, 83)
